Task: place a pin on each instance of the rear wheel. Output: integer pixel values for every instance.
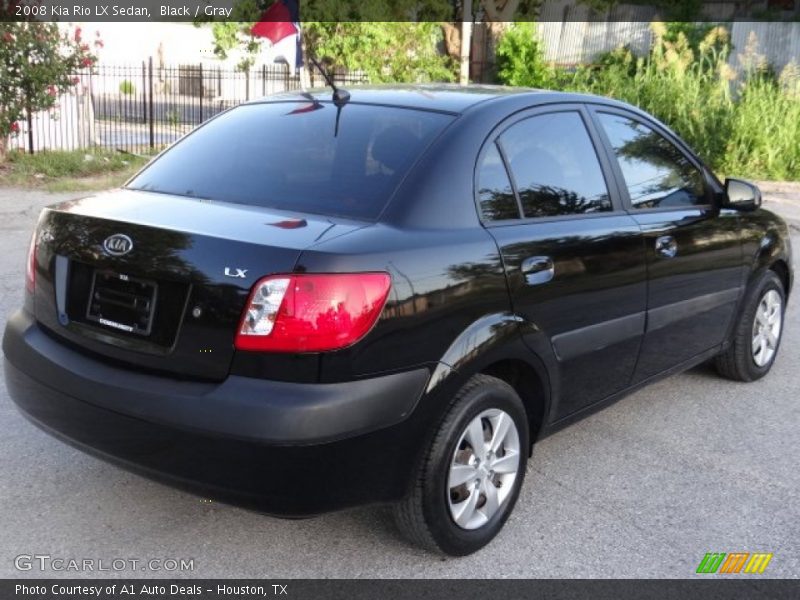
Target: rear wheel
(469, 480)
(757, 335)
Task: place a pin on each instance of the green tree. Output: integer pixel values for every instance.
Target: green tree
(38, 62)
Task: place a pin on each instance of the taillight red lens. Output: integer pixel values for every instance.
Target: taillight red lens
(311, 312)
(30, 270)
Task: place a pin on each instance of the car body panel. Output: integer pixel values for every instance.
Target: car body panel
(199, 304)
(692, 296)
(441, 283)
(694, 288)
(592, 312)
(765, 241)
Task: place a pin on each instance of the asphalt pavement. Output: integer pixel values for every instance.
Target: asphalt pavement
(646, 487)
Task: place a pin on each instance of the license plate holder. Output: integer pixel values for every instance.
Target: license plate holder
(121, 302)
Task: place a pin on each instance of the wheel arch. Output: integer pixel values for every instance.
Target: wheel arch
(493, 345)
(773, 253)
(527, 382)
(781, 269)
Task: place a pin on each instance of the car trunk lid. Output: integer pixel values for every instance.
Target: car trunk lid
(159, 282)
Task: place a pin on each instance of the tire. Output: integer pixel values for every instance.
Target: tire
(427, 515)
(741, 361)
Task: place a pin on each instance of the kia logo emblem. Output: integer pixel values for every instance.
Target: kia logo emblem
(118, 244)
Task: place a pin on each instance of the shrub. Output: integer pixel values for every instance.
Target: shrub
(127, 88)
(38, 62)
(520, 59)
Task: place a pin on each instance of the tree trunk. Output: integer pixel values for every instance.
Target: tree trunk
(498, 16)
(29, 113)
(495, 31)
(500, 11)
(452, 39)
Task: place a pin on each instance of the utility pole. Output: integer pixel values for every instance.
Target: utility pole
(466, 41)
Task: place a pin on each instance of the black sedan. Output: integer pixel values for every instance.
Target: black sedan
(309, 304)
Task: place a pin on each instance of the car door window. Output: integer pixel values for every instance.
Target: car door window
(495, 194)
(555, 166)
(657, 173)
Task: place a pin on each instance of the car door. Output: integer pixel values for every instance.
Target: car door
(694, 253)
(574, 259)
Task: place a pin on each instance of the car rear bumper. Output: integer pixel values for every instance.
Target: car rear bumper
(284, 448)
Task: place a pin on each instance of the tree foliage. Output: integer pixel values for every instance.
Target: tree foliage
(38, 62)
(520, 58)
(386, 52)
(390, 40)
(672, 10)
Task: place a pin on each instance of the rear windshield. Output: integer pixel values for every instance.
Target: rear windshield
(289, 156)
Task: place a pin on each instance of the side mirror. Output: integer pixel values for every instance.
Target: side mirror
(741, 195)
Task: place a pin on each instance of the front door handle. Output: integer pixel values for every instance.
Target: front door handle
(666, 246)
(538, 269)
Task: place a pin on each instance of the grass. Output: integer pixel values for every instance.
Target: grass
(69, 171)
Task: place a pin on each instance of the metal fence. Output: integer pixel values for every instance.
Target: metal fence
(143, 107)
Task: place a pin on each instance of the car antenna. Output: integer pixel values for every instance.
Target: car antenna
(340, 95)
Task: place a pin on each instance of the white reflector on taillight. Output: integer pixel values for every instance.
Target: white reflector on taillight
(263, 307)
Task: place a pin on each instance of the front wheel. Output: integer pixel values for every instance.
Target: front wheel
(757, 335)
(469, 480)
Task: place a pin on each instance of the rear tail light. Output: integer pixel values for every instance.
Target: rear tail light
(311, 312)
(30, 270)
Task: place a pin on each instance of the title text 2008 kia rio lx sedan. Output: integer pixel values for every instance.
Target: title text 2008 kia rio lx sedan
(306, 305)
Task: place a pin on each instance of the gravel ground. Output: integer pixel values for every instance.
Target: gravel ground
(645, 488)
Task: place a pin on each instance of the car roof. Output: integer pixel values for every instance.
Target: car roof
(449, 98)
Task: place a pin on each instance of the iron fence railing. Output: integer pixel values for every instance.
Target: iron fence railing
(144, 107)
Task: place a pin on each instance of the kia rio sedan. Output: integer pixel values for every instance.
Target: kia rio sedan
(306, 305)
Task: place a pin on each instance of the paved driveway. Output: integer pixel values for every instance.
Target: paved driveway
(645, 488)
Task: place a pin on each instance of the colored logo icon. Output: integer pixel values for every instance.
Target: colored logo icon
(734, 562)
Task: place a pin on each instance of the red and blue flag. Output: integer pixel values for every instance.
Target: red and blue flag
(280, 24)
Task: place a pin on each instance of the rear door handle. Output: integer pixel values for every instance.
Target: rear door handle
(666, 246)
(538, 269)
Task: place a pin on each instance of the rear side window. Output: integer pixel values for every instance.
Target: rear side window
(555, 166)
(657, 173)
(495, 195)
(289, 156)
